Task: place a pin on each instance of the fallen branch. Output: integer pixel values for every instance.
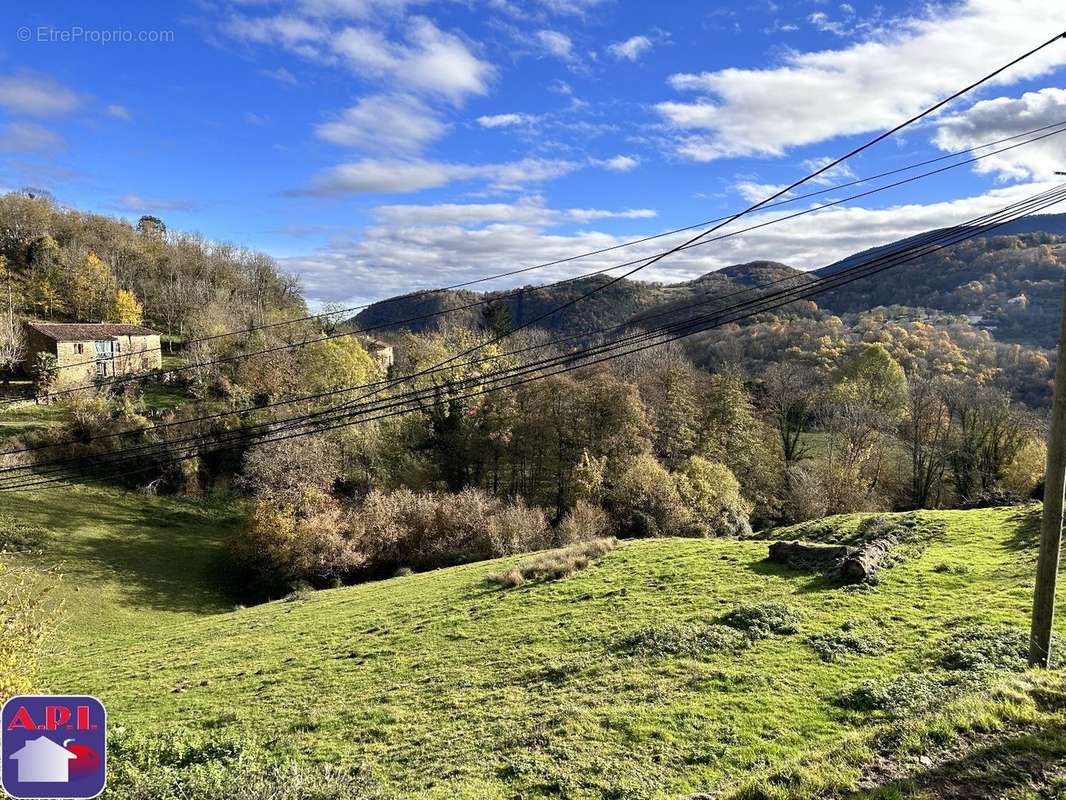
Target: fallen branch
(816, 556)
(864, 563)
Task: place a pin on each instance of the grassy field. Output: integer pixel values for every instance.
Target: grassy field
(618, 682)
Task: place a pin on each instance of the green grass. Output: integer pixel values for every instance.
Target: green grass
(442, 686)
(163, 398)
(30, 416)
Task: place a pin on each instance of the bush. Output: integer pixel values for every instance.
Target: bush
(712, 495)
(644, 500)
(683, 639)
(282, 546)
(423, 530)
(24, 620)
(763, 619)
(1026, 471)
(584, 522)
(554, 564)
(320, 542)
(283, 470)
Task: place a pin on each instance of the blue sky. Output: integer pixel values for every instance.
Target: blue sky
(377, 146)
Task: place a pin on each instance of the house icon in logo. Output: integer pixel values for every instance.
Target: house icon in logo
(41, 760)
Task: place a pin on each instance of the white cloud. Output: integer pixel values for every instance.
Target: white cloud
(557, 44)
(427, 60)
(27, 136)
(119, 112)
(409, 250)
(431, 60)
(505, 120)
(395, 176)
(138, 204)
(621, 163)
(36, 95)
(990, 120)
(525, 211)
(256, 120)
(384, 123)
(631, 49)
(281, 75)
(819, 95)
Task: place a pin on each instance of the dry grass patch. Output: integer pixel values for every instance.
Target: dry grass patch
(554, 564)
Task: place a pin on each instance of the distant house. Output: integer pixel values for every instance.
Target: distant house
(86, 351)
(380, 351)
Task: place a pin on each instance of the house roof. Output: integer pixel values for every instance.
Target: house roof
(86, 331)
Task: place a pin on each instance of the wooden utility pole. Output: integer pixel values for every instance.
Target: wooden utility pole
(1047, 568)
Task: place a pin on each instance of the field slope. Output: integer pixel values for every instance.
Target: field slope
(618, 682)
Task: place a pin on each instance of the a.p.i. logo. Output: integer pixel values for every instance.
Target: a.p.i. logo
(53, 746)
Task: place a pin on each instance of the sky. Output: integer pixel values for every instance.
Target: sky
(383, 146)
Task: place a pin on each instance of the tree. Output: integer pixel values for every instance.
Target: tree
(126, 308)
(151, 226)
(712, 494)
(790, 397)
(91, 287)
(12, 340)
(924, 432)
(45, 371)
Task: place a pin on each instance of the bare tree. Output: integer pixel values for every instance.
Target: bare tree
(12, 340)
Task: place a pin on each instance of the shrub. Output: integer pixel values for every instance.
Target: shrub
(554, 564)
(283, 470)
(712, 495)
(844, 641)
(423, 530)
(1026, 471)
(683, 639)
(763, 619)
(25, 614)
(644, 500)
(585, 521)
(281, 546)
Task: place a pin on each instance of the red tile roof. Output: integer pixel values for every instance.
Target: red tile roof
(88, 331)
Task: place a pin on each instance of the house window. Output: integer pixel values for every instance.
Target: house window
(101, 369)
(79, 348)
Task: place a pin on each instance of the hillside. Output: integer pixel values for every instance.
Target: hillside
(618, 682)
(1009, 286)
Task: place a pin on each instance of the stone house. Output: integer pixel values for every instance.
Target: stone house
(87, 351)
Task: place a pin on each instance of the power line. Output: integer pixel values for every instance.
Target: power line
(683, 328)
(1058, 128)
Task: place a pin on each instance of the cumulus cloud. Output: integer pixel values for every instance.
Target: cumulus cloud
(36, 95)
(409, 250)
(819, 95)
(384, 123)
(505, 120)
(631, 49)
(557, 44)
(431, 60)
(999, 118)
(28, 137)
(428, 59)
(620, 163)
